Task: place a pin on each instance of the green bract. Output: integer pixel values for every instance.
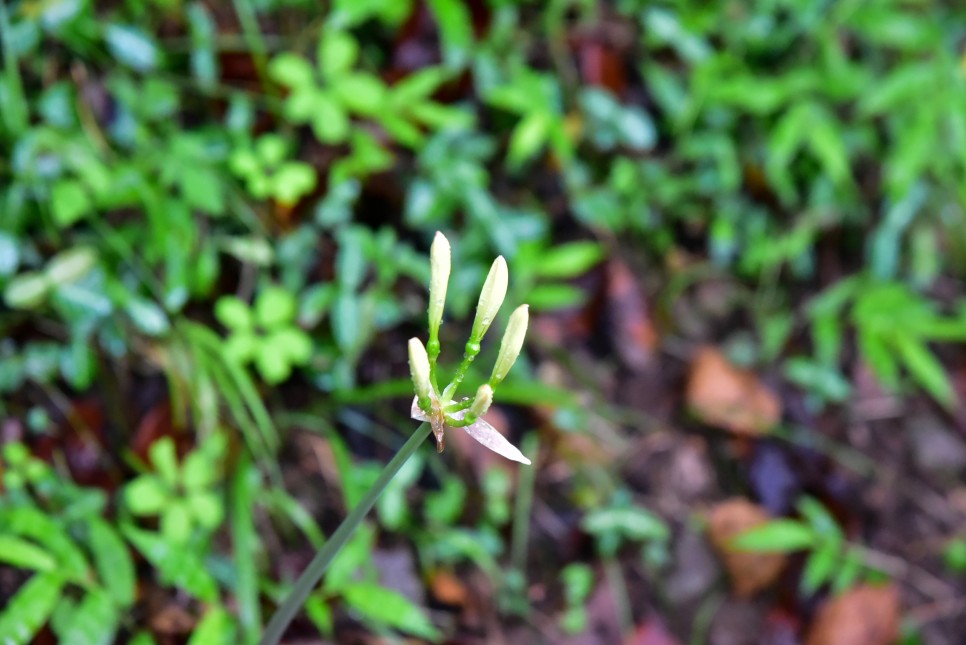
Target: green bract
(438, 407)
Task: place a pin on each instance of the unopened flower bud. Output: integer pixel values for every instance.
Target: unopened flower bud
(511, 345)
(491, 297)
(419, 366)
(438, 279)
(482, 401)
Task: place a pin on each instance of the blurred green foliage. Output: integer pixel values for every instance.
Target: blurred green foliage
(162, 212)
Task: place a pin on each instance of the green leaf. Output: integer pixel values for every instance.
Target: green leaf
(71, 265)
(176, 523)
(199, 471)
(818, 378)
(633, 522)
(147, 316)
(93, 622)
(216, 628)
(419, 85)
(178, 566)
(69, 202)
(338, 51)
(272, 364)
(291, 70)
(776, 536)
(569, 260)
(330, 123)
(578, 582)
(271, 149)
(456, 30)
(293, 343)
(164, 458)
(354, 555)
(249, 249)
(25, 555)
(241, 346)
(362, 93)
(204, 63)
(113, 562)
(826, 140)
(233, 313)
(27, 290)
(319, 612)
(528, 138)
(132, 47)
(821, 521)
(207, 509)
(848, 572)
(880, 359)
(9, 254)
(41, 528)
(292, 181)
(347, 322)
(820, 567)
(925, 368)
(29, 608)
(146, 495)
(549, 297)
(315, 303)
(246, 545)
(275, 306)
(203, 189)
(381, 605)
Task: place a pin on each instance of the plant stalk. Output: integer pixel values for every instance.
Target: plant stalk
(314, 572)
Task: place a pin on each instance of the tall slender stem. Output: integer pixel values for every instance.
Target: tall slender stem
(313, 573)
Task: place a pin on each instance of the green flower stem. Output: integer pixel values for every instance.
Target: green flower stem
(313, 573)
(471, 352)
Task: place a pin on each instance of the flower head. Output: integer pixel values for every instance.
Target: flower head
(439, 409)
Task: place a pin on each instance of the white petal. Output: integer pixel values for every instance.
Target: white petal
(489, 437)
(417, 412)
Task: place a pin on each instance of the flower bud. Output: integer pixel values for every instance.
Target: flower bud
(491, 297)
(419, 366)
(512, 343)
(482, 401)
(438, 279)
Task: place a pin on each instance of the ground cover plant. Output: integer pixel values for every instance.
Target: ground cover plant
(739, 230)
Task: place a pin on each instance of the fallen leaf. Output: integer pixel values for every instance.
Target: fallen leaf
(632, 331)
(447, 589)
(749, 572)
(863, 615)
(729, 397)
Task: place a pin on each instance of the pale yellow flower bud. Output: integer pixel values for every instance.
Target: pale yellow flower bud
(439, 265)
(419, 367)
(482, 402)
(491, 298)
(516, 331)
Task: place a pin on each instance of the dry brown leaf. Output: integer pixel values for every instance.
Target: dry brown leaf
(729, 397)
(447, 588)
(749, 572)
(863, 615)
(632, 330)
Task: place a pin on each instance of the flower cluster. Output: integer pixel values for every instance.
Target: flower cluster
(438, 406)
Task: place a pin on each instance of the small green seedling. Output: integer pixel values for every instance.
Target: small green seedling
(266, 333)
(438, 407)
